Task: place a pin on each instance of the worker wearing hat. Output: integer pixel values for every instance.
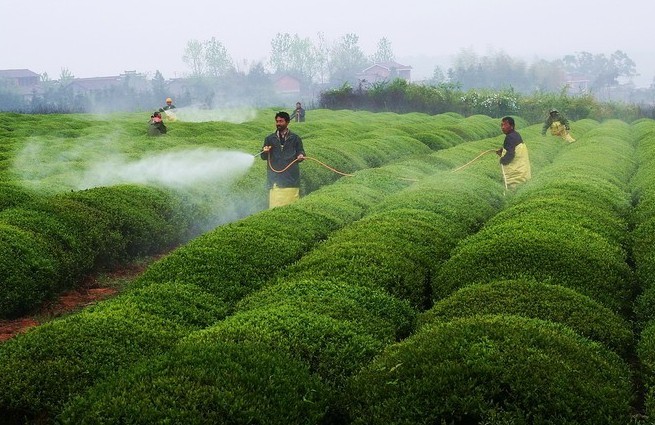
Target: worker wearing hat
(168, 109)
(558, 125)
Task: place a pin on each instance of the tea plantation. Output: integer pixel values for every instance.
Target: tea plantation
(413, 290)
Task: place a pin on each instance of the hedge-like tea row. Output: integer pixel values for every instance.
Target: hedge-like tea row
(493, 369)
(643, 250)
(461, 367)
(50, 244)
(40, 370)
(418, 225)
(236, 259)
(358, 195)
(123, 227)
(399, 247)
(539, 301)
(329, 329)
(208, 384)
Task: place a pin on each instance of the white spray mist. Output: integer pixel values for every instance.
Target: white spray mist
(175, 169)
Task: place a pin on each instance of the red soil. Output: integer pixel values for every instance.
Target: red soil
(91, 291)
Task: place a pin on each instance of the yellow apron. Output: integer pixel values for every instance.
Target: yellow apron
(279, 196)
(518, 171)
(558, 129)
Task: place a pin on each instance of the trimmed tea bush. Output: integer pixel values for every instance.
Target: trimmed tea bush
(27, 268)
(539, 301)
(493, 369)
(543, 250)
(42, 369)
(12, 195)
(226, 383)
(333, 349)
(372, 311)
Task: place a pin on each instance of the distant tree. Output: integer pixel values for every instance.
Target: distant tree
(497, 71)
(65, 77)
(438, 77)
(194, 57)
(624, 66)
(347, 59)
(322, 54)
(501, 71)
(64, 96)
(258, 86)
(294, 55)
(217, 60)
(547, 76)
(599, 69)
(384, 52)
(158, 86)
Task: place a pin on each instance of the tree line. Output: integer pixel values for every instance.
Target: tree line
(320, 65)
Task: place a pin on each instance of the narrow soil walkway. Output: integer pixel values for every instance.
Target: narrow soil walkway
(92, 290)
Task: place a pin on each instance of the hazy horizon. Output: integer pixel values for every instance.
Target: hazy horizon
(103, 39)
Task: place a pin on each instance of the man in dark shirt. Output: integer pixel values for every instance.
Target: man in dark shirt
(299, 114)
(283, 150)
(514, 159)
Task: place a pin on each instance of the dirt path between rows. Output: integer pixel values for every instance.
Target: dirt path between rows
(92, 290)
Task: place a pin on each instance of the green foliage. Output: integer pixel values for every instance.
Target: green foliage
(12, 195)
(144, 216)
(72, 258)
(184, 305)
(402, 97)
(332, 279)
(579, 187)
(41, 370)
(560, 253)
(646, 355)
(333, 348)
(27, 268)
(493, 369)
(232, 260)
(224, 383)
(593, 216)
(400, 246)
(539, 301)
(372, 311)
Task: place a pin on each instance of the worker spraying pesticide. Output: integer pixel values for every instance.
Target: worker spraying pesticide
(514, 159)
(558, 125)
(283, 150)
(169, 110)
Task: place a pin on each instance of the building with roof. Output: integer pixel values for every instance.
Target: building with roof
(385, 71)
(21, 81)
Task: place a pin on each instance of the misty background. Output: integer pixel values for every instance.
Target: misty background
(231, 52)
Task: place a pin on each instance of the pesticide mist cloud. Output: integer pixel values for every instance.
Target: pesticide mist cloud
(177, 169)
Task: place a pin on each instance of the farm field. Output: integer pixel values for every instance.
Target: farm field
(414, 290)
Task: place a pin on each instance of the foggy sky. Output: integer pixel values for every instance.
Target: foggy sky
(107, 38)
